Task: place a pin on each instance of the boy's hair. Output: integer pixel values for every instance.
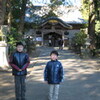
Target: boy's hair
(54, 52)
(19, 43)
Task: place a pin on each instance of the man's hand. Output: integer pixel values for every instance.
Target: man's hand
(20, 70)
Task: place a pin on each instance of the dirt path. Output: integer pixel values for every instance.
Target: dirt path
(82, 80)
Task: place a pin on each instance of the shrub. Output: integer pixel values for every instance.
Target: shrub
(12, 38)
(80, 38)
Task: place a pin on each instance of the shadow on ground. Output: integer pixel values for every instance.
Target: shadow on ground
(81, 81)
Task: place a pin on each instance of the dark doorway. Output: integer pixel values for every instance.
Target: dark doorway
(51, 39)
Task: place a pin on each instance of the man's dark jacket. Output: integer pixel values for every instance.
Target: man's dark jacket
(53, 73)
(19, 60)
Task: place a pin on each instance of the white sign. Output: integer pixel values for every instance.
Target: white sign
(39, 39)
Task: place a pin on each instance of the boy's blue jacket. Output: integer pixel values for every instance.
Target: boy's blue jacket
(53, 72)
(19, 60)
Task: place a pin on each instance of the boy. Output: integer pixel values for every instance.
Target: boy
(19, 62)
(53, 75)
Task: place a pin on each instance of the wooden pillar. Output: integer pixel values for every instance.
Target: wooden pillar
(35, 35)
(42, 38)
(63, 39)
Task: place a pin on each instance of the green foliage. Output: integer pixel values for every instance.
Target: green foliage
(85, 9)
(53, 7)
(12, 38)
(97, 27)
(98, 34)
(97, 9)
(1, 33)
(55, 2)
(80, 38)
(50, 14)
(16, 8)
(86, 6)
(30, 45)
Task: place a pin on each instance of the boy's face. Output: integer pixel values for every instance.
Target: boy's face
(54, 57)
(19, 48)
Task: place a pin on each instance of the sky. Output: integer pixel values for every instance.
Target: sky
(42, 2)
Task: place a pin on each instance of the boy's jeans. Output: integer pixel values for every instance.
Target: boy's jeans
(20, 87)
(54, 91)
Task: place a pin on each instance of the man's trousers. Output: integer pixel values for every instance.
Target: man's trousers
(20, 87)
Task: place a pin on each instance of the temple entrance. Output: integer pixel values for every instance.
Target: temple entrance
(51, 39)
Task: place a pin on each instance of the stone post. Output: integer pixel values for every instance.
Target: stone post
(3, 47)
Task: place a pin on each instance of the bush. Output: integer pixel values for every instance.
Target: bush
(30, 45)
(12, 38)
(80, 38)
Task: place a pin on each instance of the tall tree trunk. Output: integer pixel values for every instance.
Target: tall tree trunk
(91, 23)
(9, 15)
(22, 19)
(2, 11)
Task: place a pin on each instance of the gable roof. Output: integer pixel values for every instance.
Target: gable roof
(55, 19)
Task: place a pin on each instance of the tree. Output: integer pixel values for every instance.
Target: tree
(9, 14)
(15, 14)
(22, 17)
(2, 11)
(91, 21)
(91, 12)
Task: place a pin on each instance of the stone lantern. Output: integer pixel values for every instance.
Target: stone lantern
(3, 47)
(86, 49)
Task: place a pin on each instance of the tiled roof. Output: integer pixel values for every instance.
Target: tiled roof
(68, 15)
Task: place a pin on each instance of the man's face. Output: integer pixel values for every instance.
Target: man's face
(19, 48)
(54, 57)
